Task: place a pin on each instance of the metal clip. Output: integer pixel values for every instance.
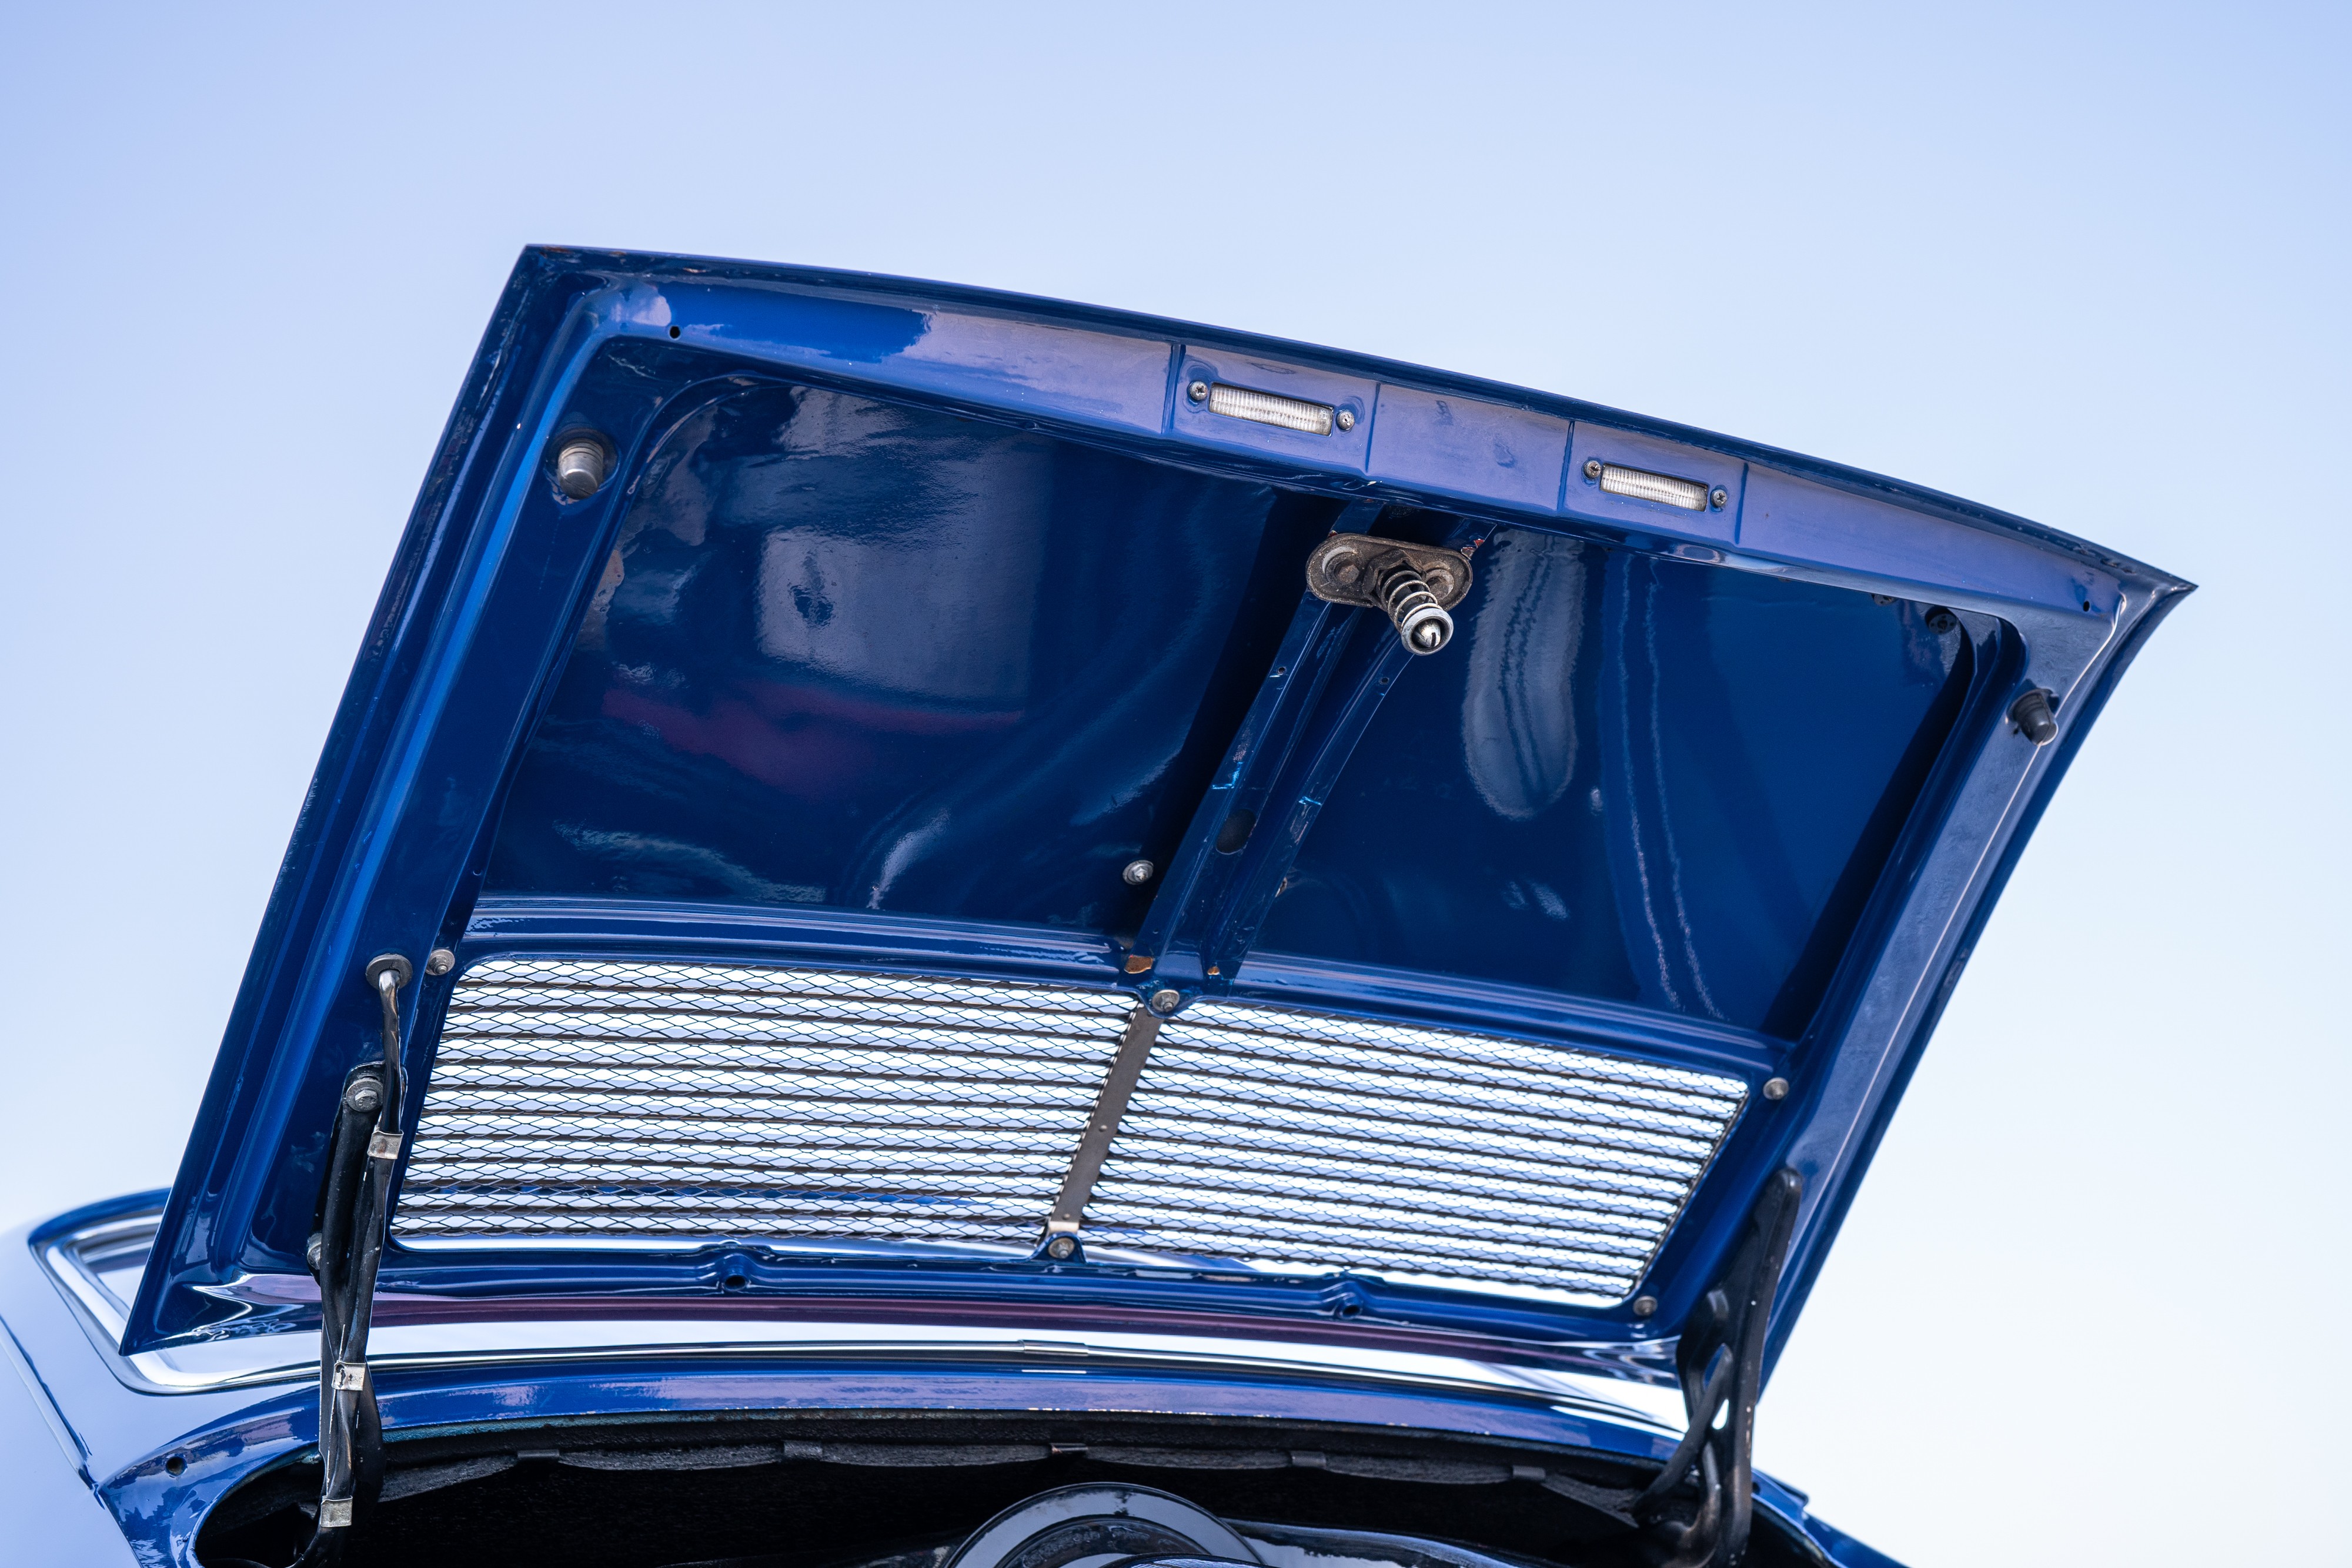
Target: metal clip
(351, 1375)
(335, 1514)
(384, 1146)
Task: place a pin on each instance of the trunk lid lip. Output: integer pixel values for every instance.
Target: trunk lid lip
(269, 1431)
(242, 1427)
(508, 1286)
(257, 1355)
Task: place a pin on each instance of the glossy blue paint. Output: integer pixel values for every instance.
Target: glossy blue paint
(158, 1462)
(851, 654)
(53, 1517)
(911, 613)
(1330, 674)
(1645, 779)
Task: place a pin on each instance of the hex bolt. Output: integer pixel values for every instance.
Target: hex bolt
(1165, 1001)
(581, 466)
(1646, 1306)
(1345, 419)
(1718, 498)
(1198, 391)
(440, 961)
(362, 1095)
(1137, 872)
(1061, 1246)
(1776, 1089)
(315, 1252)
(1592, 468)
(2034, 714)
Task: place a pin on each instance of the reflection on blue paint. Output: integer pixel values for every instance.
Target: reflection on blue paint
(1645, 780)
(851, 653)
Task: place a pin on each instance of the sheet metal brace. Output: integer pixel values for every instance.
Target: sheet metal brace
(1068, 1215)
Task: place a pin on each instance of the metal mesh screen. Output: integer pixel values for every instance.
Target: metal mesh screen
(661, 1100)
(1292, 1137)
(636, 1099)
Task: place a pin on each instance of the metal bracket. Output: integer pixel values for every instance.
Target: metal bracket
(367, 1141)
(1719, 1357)
(1069, 1212)
(1328, 680)
(1412, 585)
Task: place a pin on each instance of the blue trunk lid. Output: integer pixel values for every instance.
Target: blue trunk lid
(881, 823)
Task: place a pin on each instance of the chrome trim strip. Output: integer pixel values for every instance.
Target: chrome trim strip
(263, 1360)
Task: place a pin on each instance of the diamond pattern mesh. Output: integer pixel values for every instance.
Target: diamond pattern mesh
(666, 1100)
(634, 1099)
(1300, 1138)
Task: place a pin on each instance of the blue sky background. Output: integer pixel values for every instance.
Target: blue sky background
(2086, 264)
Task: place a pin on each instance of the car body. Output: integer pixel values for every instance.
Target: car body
(928, 907)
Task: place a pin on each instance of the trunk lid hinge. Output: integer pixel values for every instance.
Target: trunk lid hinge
(365, 1153)
(1720, 1361)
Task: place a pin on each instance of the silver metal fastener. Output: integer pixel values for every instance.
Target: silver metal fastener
(1646, 1306)
(1198, 391)
(1718, 498)
(1138, 872)
(440, 961)
(1413, 585)
(1345, 419)
(1061, 1246)
(581, 466)
(1166, 1001)
(1776, 1089)
(1592, 468)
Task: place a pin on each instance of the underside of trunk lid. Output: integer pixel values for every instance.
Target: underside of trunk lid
(897, 803)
